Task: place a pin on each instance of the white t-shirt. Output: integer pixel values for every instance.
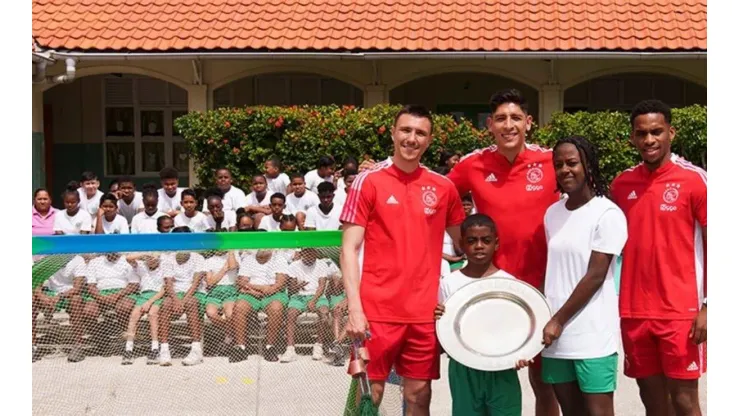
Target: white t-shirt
(232, 200)
(571, 237)
(341, 189)
(144, 224)
(279, 184)
(455, 280)
(265, 273)
(313, 180)
(294, 204)
(167, 204)
(110, 275)
(315, 218)
(90, 205)
(310, 273)
(184, 273)
(129, 210)
(448, 246)
(119, 225)
(228, 222)
(214, 264)
(446, 270)
(71, 225)
(63, 280)
(268, 223)
(252, 199)
(197, 223)
(153, 279)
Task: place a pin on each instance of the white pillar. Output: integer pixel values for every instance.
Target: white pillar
(374, 95)
(551, 101)
(197, 101)
(38, 175)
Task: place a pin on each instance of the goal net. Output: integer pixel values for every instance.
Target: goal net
(192, 324)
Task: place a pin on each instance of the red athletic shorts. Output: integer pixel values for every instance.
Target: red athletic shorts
(412, 348)
(661, 346)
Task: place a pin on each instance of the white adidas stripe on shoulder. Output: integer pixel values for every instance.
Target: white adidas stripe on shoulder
(479, 151)
(537, 148)
(354, 197)
(685, 164)
(438, 174)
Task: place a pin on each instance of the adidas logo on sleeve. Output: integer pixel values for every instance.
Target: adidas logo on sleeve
(632, 195)
(491, 178)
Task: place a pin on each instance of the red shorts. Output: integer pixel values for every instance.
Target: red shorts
(661, 346)
(412, 348)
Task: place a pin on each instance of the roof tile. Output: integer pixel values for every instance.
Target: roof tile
(361, 25)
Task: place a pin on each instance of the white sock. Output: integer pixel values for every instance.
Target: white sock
(165, 347)
(129, 345)
(241, 347)
(290, 349)
(155, 345)
(228, 340)
(197, 346)
(318, 344)
(35, 347)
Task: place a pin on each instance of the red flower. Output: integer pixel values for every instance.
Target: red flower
(210, 141)
(227, 124)
(381, 130)
(279, 124)
(236, 150)
(226, 141)
(341, 132)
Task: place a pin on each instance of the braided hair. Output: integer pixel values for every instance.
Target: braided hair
(590, 161)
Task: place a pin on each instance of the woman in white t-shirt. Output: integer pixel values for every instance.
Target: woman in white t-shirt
(73, 219)
(585, 234)
(108, 221)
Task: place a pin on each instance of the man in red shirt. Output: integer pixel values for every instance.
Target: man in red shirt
(398, 212)
(514, 183)
(662, 299)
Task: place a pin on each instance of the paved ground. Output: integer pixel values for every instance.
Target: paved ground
(101, 386)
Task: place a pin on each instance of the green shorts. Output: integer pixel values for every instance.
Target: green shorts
(261, 304)
(144, 296)
(62, 304)
(457, 265)
(594, 375)
(199, 296)
(335, 300)
(105, 292)
(476, 392)
(300, 302)
(222, 294)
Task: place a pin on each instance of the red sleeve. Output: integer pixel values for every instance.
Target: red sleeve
(455, 211)
(359, 202)
(460, 178)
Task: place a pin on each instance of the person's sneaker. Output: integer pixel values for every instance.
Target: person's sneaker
(153, 357)
(270, 354)
(288, 357)
(165, 359)
(36, 354)
(128, 358)
(76, 355)
(339, 356)
(318, 352)
(194, 358)
(237, 355)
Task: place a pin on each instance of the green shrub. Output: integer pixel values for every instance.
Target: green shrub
(242, 139)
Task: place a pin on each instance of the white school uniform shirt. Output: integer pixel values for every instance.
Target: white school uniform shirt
(144, 224)
(184, 273)
(268, 223)
(63, 280)
(215, 263)
(232, 200)
(167, 204)
(252, 199)
(313, 180)
(455, 280)
(599, 225)
(310, 273)
(279, 184)
(110, 275)
(119, 225)
(153, 279)
(129, 210)
(90, 205)
(228, 222)
(315, 218)
(448, 247)
(71, 225)
(295, 204)
(263, 274)
(197, 223)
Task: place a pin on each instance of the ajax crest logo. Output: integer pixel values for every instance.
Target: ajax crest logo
(429, 198)
(534, 176)
(670, 196)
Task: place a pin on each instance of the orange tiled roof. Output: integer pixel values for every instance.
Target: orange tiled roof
(370, 25)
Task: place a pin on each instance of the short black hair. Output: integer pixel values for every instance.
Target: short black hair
(478, 220)
(467, 198)
(650, 107)
(276, 163)
(162, 219)
(288, 218)
(70, 189)
(88, 176)
(349, 172)
(169, 173)
(507, 96)
(149, 192)
(180, 229)
(220, 169)
(113, 182)
(277, 195)
(297, 175)
(149, 186)
(350, 160)
(213, 192)
(444, 156)
(325, 187)
(442, 170)
(590, 159)
(37, 191)
(188, 192)
(259, 175)
(109, 197)
(325, 161)
(126, 179)
(417, 111)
